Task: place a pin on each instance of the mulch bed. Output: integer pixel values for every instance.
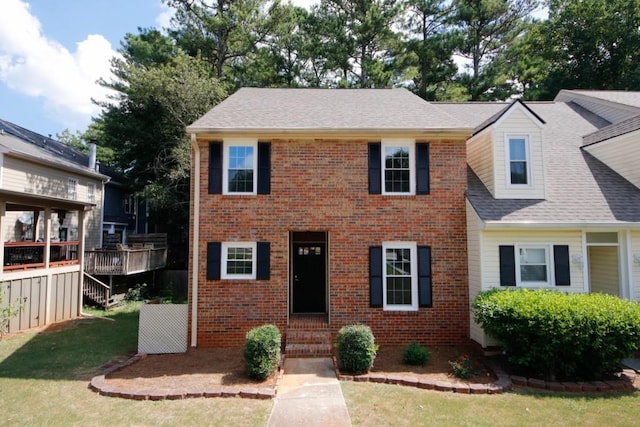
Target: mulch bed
(224, 367)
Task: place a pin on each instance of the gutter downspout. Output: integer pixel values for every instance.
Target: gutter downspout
(196, 238)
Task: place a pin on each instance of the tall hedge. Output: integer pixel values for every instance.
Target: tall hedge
(561, 336)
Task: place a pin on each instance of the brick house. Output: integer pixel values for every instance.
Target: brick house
(328, 207)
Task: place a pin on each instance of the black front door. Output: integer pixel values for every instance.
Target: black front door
(309, 277)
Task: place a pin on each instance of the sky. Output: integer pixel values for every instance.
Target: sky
(52, 52)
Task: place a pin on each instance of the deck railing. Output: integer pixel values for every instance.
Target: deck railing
(124, 262)
(24, 255)
(96, 291)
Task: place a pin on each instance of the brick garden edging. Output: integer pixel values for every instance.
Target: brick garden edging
(100, 385)
(625, 382)
(502, 384)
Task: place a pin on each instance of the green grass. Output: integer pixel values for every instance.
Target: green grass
(386, 405)
(44, 378)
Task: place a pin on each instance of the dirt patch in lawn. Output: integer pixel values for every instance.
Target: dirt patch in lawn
(202, 368)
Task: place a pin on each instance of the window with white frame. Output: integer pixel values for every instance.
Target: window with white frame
(240, 166)
(400, 291)
(72, 189)
(239, 260)
(519, 162)
(398, 165)
(91, 192)
(533, 265)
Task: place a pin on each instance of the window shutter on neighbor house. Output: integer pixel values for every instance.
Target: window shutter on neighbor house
(507, 266)
(375, 276)
(375, 168)
(215, 168)
(561, 265)
(263, 261)
(424, 276)
(213, 260)
(264, 167)
(422, 168)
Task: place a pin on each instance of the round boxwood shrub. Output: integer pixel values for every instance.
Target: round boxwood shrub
(414, 354)
(356, 348)
(262, 351)
(561, 336)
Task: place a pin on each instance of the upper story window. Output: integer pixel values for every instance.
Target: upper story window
(91, 192)
(240, 165)
(518, 160)
(130, 204)
(72, 189)
(398, 167)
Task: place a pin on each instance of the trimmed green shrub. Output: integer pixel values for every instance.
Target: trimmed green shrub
(561, 336)
(356, 348)
(414, 354)
(262, 351)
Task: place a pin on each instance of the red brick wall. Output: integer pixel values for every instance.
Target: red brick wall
(321, 185)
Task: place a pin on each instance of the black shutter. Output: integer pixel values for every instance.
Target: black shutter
(375, 168)
(264, 167)
(507, 266)
(561, 265)
(422, 168)
(424, 276)
(213, 260)
(263, 261)
(375, 276)
(215, 168)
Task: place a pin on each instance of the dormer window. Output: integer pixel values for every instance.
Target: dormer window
(518, 160)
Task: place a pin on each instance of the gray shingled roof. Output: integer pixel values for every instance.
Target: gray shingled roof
(580, 189)
(626, 98)
(616, 129)
(328, 110)
(24, 148)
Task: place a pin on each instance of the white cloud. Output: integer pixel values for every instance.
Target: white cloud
(36, 66)
(164, 19)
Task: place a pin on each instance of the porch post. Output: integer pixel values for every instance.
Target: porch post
(3, 212)
(81, 233)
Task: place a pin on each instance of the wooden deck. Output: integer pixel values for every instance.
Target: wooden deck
(124, 262)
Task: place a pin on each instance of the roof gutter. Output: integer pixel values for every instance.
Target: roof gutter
(462, 132)
(195, 248)
(502, 225)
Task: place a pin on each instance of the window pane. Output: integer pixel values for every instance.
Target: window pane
(396, 174)
(533, 256)
(517, 149)
(398, 268)
(518, 172)
(533, 273)
(398, 290)
(239, 261)
(240, 173)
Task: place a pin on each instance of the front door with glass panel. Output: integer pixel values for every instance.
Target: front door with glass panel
(308, 287)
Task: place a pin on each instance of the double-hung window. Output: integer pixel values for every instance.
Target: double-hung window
(398, 167)
(519, 162)
(400, 282)
(239, 260)
(533, 265)
(91, 192)
(72, 189)
(240, 165)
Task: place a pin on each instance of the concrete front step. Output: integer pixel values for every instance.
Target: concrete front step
(308, 350)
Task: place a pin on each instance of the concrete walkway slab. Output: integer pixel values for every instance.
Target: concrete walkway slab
(309, 395)
(632, 363)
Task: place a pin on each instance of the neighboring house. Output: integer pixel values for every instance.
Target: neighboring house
(343, 206)
(47, 206)
(553, 196)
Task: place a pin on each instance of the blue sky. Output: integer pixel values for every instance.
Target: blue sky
(53, 51)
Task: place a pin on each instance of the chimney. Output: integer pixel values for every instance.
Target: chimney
(92, 154)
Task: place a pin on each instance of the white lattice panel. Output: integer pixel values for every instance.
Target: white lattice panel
(163, 328)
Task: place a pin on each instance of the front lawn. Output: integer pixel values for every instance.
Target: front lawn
(44, 378)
